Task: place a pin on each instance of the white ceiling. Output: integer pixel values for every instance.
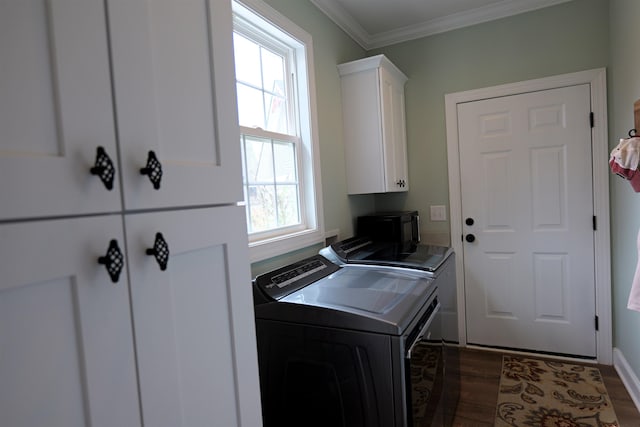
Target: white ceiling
(377, 23)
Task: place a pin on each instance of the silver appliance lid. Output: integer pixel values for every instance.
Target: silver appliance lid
(364, 251)
(383, 295)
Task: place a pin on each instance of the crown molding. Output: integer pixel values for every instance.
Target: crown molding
(500, 9)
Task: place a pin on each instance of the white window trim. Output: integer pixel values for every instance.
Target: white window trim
(310, 179)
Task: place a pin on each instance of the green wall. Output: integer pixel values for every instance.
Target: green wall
(556, 40)
(624, 90)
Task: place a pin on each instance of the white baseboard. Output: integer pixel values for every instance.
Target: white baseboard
(628, 377)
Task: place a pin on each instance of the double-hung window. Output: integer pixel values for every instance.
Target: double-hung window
(278, 136)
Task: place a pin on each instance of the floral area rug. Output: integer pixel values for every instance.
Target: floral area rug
(426, 381)
(545, 393)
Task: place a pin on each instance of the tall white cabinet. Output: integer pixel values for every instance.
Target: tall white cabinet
(374, 126)
(125, 296)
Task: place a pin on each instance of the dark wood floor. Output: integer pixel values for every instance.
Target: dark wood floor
(480, 378)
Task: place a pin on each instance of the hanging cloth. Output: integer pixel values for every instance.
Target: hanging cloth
(625, 159)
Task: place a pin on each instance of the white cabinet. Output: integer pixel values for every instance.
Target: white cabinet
(66, 343)
(174, 88)
(196, 354)
(374, 126)
(55, 109)
(160, 347)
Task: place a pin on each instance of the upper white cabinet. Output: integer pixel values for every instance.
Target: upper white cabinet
(174, 96)
(160, 330)
(374, 126)
(174, 91)
(55, 109)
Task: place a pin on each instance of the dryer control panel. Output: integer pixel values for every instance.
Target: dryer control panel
(279, 283)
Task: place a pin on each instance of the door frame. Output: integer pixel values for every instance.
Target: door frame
(597, 80)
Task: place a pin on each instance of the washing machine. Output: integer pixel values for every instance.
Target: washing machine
(434, 262)
(348, 346)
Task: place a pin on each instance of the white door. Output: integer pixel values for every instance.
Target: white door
(194, 322)
(66, 341)
(55, 109)
(175, 95)
(526, 195)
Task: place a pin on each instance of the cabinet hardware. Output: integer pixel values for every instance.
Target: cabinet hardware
(160, 251)
(104, 168)
(153, 170)
(113, 261)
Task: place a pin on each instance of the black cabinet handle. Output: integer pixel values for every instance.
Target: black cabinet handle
(401, 183)
(113, 261)
(469, 221)
(470, 238)
(104, 168)
(160, 251)
(153, 170)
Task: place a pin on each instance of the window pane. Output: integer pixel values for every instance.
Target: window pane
(276, 113)
(285, 162)
(250, 107)
(259, 157)
(288, 205)
(273, 72)
(247, 58)
(262, 207)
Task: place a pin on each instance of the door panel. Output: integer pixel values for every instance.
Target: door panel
(169, 73)
(55, 108)
(66, 341)
(188, 331)
(526, 181)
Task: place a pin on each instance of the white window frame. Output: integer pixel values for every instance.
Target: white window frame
(270, 244)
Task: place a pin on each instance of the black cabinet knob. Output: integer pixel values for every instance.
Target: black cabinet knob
(113, 261)
(104, 168)
(469, 221)
(470, 238)
(153, 170)
(160, 251)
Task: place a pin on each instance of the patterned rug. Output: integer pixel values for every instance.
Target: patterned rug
(545, 393)
(426, 377)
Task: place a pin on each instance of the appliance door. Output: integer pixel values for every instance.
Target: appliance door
(324, 377)
(424, 370)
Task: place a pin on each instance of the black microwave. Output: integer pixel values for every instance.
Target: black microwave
(393, 227)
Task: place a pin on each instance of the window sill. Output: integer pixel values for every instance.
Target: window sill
(276, 246)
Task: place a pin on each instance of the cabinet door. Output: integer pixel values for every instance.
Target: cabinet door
(194, 322)
(394, 132)
(55, 108)
(66, 345)
(175, 95)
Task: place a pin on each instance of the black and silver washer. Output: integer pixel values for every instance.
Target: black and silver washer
(336, 344)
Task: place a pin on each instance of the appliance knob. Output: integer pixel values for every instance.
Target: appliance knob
(470, 238)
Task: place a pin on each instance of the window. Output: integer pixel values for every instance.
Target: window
(278, 136)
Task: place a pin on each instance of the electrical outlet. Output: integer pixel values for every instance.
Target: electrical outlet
(438, 213)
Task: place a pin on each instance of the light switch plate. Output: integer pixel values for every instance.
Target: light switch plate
(438, 213)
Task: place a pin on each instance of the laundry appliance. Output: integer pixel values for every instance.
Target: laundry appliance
(436, 263)
(348, 346)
